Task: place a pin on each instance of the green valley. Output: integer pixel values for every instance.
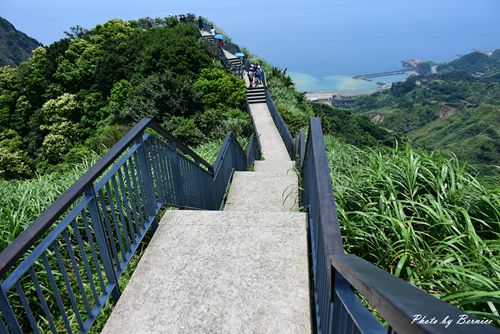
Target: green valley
(455, 110)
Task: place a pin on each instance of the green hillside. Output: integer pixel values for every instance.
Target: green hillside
(15, 46)
(457, 109)
(418, 214)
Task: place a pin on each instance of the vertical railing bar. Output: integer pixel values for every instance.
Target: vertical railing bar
(76, 270)
(119, 201)
(168, 174)
(146, 171)
(115, 222)
(158, 177)
(27, 308)
(92, 250)
(176, 176)
(138, 198)
(3, 327)
(8, 313)
(199, 176)
(102, 244)
(184, 185)
(143, 176)
(69, 289)
(140, 181)
(41, 296)
(139, 169)
(85, 261)
(108, 231)
(134, 208)
(169, 185)
(55, 289)
(127, 200)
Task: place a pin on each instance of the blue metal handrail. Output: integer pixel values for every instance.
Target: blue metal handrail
(281, 125)
(335, 274)
(68, 262)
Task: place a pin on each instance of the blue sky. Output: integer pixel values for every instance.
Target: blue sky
(316, 38)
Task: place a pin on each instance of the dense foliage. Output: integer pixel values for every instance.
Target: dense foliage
(423, 218)
(455, 110)
(81, 92)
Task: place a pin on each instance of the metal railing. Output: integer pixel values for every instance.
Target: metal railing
(64, 267)
(281, 125)
(336, 275)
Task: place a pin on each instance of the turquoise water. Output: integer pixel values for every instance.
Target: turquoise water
(304, 82)
(322, 43)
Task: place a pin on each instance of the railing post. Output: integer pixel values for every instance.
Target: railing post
(176, 173)
(200, 194)
(104, 252)
(8, 313)
(145, 168)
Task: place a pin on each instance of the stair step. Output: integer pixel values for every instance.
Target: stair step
(251, 191)
(273, 166)
(256, 97)
(230, 272)
(257, 101)
(260, 96)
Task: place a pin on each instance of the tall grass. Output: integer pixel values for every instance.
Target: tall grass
(423, 218)
(22, 201)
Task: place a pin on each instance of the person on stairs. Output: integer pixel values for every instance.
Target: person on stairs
(200, 23)
(251, 74)
(260, 75)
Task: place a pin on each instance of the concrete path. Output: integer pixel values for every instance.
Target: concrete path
(219, 272)
(241, 270)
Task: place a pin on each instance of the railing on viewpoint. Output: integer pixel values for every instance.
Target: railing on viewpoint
(336, 275)
(230, 157)
(281, 125)
(59, 273)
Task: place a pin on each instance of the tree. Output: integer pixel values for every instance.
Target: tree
(221, 89)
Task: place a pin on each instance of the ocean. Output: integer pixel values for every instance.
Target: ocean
(321, 43)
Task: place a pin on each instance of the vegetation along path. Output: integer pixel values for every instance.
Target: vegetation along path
(240, 270)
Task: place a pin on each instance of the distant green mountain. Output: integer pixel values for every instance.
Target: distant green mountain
(457, 110)
(15, 46)
(477, 64)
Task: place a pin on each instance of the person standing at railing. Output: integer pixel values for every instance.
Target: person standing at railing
(200, 23)
(251, 74)
(212, 31)
(260, 75)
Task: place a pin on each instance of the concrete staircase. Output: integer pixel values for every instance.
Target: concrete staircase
(256, 95)
(206, 36)
(241, 270)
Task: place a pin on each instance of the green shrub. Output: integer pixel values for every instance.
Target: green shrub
(423, 218)
(184, 129)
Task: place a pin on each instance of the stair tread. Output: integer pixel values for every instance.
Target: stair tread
(252, 191)
(231, 272)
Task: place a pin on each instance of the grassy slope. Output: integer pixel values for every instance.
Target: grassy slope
(423, 218)
(456, 115)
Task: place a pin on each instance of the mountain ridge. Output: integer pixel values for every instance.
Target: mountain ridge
(15, 46)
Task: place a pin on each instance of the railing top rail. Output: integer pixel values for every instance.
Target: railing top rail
(400, 303)
(327, 207)
(28, 237)
(230, 137)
